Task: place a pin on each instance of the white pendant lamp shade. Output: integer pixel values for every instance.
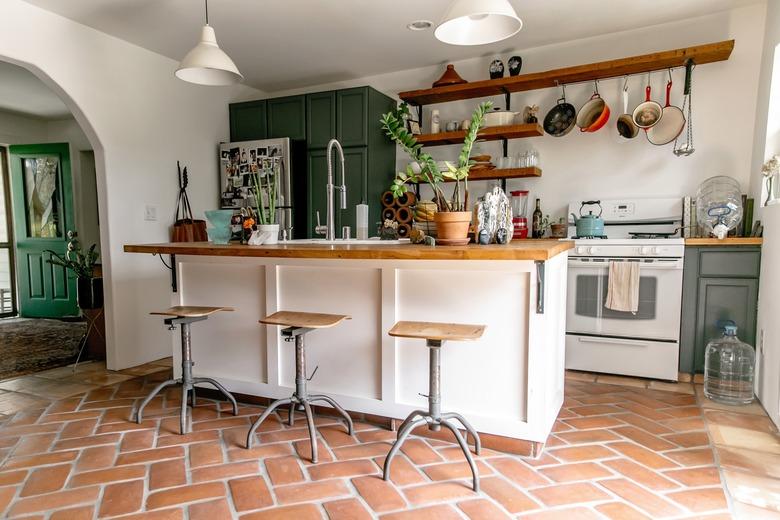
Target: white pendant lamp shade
(207, 64)
(477, 22)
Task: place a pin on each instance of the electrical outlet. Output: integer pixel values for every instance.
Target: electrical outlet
(150, 212)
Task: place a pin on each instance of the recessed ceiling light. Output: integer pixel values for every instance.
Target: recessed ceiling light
(420, 25)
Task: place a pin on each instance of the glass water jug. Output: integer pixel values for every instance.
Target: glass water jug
(729, 369)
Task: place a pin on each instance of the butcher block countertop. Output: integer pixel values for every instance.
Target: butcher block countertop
(735, 241)
(537, 250)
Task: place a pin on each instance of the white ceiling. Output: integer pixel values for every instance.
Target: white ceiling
(286, 44)
(23, 93)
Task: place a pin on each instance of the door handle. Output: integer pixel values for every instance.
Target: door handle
(612, 341)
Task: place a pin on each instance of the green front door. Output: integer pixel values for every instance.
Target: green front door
(43, 214)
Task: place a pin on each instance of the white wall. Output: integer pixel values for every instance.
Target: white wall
(139, 120)
(766, 144)
(584, 166)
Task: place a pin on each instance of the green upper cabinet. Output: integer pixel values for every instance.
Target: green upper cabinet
(320, 119)
(287, 117)
(248, 121)
(352, 118)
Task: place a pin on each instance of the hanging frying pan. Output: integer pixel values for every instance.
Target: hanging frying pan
(594, 113)
(625, 123)
(647, 114)
(559, 121)
(671, 124)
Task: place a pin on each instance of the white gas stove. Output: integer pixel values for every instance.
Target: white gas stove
(645, 343)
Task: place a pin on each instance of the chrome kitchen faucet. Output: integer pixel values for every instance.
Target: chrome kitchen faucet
(329, 230)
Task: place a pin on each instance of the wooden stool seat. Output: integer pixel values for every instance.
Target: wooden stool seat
(437, 331)
(190, 311)
(308, 320)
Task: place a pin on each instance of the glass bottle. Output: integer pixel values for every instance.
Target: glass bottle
(729, 366)
(536, 221)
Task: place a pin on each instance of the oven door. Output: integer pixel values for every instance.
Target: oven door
(660, 295)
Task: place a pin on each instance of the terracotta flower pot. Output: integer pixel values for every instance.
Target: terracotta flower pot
(452, 224)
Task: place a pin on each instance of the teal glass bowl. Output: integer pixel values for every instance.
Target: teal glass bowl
(219, 235)
(219, 218)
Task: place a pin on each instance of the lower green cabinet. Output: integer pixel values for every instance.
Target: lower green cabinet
(356, 164)
(719, 283)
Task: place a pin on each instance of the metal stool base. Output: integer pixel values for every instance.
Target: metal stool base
(187, 381)
(301, 397)
(435, 419)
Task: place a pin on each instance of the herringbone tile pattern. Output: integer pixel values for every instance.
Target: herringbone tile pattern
(616, 452)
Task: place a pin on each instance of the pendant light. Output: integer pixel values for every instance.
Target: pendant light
(477, 22)
(206, 63)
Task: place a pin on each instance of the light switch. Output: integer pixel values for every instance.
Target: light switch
(150, 212)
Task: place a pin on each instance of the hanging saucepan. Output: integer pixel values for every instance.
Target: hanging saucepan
(647, 114)
(670, 125)
(594, 114)
(559, 121)
(625, 123)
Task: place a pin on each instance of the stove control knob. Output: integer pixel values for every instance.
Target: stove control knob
(581, 250)
(644, 250)
(593, 250)
(656, 250)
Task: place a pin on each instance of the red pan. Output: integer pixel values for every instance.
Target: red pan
(649, 113)
(670, 125)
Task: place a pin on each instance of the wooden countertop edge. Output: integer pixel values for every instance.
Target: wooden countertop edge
(735, 241)
(537, 250)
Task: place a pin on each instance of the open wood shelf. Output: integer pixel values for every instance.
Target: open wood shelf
(491, 133)
(503, 173)
(700, 54)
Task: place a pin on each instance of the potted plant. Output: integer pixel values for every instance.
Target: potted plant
(266, 191)
(453, 214)
(89, 294)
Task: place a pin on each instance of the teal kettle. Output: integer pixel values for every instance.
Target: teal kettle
(589, 225)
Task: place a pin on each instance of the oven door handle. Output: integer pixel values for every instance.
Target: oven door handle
(615, 341)
(669, 265)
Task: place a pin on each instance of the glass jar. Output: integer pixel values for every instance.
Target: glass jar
(729, 366)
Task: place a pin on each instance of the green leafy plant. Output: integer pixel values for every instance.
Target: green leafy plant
(266, 213)
(76, 259)
(394, 126)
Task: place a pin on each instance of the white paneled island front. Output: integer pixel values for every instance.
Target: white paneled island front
(509, 383)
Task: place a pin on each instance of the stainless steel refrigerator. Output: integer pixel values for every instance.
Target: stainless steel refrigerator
(239, 161)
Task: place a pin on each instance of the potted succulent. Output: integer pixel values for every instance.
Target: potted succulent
(89, 294)
(453, 214)
(266, 191)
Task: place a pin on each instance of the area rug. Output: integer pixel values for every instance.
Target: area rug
(31, 345)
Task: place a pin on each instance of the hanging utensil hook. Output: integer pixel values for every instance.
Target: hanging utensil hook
(596, 86)
(625, 84)
(670, 75)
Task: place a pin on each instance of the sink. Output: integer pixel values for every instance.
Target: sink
(350, 242)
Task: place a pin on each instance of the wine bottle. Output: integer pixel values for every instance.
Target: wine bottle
(536, 222)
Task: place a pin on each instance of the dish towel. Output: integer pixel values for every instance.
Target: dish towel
(623, 287)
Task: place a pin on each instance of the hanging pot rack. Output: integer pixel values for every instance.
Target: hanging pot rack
(635, 65)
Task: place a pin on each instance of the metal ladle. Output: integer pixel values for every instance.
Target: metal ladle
(686, 148)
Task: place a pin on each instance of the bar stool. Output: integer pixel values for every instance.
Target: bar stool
(297, 325)
(184, 316)
(435, 334)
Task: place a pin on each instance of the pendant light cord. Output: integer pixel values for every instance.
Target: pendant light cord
(207, 12)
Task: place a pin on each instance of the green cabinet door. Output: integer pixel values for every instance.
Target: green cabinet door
(355, 160)
(352, 116)
(287, 117)
(320, 119)
(43, 214)
(722, 299)
(248, 121)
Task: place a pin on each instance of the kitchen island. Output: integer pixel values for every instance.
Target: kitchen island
(509, 383)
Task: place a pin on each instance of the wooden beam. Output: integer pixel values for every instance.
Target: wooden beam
(700, 54)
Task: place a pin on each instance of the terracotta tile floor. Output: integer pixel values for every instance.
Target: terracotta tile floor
(619, 450)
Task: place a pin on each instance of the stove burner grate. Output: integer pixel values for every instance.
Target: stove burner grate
(647, 234)
(589, 237)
